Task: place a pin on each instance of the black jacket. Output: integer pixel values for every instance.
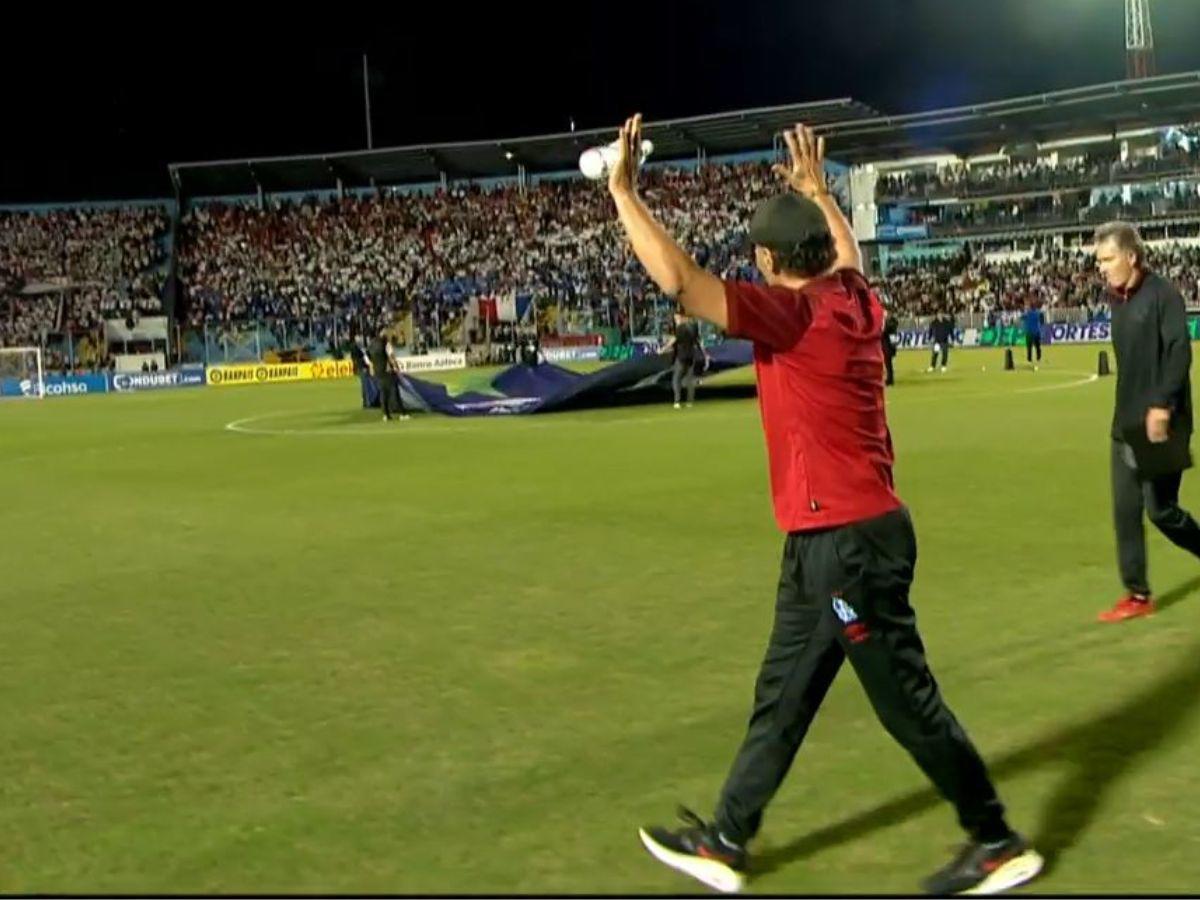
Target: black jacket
(1154, 355)
(890, 327)
(377, 352)
(941, 330)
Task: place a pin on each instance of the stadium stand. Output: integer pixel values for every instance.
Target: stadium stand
(329, 247)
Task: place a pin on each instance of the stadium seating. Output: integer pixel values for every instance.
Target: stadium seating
(328, 262)
(113, 257)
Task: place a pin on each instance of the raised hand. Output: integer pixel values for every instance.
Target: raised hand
(806, 174)
(622, 177)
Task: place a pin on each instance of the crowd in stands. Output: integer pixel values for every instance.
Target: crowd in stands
(990, 284)
(111, 259)
(335, 265)
(1066, 209)
(372, 256)
(1182, 197)
(1017, 176)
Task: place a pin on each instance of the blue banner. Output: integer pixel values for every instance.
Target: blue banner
(1088, 333)
(568, 354)
(154, 381)
(548, 388)
(919, 339)
(56, 386)
(1011, 335)
(886, 231)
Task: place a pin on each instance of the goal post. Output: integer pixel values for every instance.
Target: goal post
(22, 373)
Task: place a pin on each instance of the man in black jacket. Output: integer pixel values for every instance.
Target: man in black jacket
(382, 361)
(1153, 406)
(362, 369)
(941, 332)
(890, 329)
(686, 351)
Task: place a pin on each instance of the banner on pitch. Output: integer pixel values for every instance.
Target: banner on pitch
(258, 373)
(431, 362)
(326, 369)
(55, 386)
(1088, 333)
(911, 339)
(1014, 335)
(570, 354)
(122, 382)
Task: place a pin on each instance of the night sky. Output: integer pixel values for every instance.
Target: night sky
(98, 114)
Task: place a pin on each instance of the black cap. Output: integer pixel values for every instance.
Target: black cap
(785, 220)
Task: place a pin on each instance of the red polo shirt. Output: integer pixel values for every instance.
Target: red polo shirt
(818, 358)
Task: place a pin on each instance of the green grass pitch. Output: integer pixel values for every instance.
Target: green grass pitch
(322, 653)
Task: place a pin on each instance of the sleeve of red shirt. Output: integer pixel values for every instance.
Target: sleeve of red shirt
(773, 316)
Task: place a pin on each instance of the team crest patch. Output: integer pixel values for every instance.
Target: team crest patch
(856, 632)
(843, 610)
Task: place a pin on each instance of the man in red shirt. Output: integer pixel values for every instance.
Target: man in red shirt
(850, 551)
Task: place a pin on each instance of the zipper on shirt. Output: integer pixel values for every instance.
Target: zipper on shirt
(802, 465)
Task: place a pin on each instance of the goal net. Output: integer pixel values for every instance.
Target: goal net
(21, 372)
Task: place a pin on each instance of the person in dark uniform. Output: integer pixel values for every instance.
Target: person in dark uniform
(850, 551)
(1153, 401)
(382, 361)
(362, 370)
(1033, 321)
(941, 332)
(890, 329)
(686, 351)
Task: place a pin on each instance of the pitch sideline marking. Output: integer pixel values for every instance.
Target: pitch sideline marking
(247, 424)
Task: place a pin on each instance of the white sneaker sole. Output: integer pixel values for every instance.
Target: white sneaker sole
(716, 875)
(1015, 872)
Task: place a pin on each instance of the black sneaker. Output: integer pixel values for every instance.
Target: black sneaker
(700, 851)
(987, 868)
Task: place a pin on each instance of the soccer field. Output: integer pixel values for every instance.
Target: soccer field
(316, 652)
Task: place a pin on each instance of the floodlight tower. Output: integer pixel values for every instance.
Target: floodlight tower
(1139, 40)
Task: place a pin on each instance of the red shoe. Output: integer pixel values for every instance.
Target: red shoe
(1129, 607)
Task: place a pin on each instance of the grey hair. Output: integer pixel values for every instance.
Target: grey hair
(1126, 236)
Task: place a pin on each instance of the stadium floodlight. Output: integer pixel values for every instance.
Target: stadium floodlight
(1139, 40)
(23, 365)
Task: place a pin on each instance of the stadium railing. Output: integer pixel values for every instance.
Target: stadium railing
(1052, 180)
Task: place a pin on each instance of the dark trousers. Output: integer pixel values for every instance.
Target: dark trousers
(1159, 499)
(1033, 342)
(364, 380)
(933, 360)
(889, 369)
(389, 395)
(843, 593)
(683, 371)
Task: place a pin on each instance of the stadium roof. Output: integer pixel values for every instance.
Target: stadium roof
(990, 127)
(734, 132)
(855, 133)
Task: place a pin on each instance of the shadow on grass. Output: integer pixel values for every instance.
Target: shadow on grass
(1179, 592)
(1095, 755)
